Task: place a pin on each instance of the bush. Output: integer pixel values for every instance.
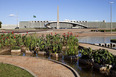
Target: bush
(86, 53)
(102, 56)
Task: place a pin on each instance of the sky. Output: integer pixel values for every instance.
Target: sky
(46, 10)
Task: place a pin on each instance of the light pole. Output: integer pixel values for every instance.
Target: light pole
(111, 16)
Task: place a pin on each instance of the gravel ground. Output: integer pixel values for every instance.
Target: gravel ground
(79, 32)
(40, 67)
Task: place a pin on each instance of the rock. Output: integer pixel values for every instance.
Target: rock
(42, 53)
(71, 58)
(56, 55)
(23, 49)
(16, 52)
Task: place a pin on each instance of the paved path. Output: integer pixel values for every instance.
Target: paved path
(40, 67)
(97, 47)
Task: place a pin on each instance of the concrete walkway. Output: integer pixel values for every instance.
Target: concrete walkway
(40, 67)
(97, 47)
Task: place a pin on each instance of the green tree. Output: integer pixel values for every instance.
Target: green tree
(0, 24)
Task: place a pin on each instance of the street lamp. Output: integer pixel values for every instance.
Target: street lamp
(111, 16)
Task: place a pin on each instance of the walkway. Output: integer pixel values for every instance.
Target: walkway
(94, 47)
(40, 67)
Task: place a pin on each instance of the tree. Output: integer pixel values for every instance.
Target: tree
(0, 24)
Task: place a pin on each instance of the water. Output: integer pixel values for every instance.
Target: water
(83, 70)
(96, 39)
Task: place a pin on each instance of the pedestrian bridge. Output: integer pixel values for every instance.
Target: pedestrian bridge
(65, 25)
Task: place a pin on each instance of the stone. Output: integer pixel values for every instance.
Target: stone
(42, 53)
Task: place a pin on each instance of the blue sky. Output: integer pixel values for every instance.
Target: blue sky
(81, 10)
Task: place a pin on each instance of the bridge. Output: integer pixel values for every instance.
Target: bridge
(68, 24)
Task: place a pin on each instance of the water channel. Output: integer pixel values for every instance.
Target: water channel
(96, 39)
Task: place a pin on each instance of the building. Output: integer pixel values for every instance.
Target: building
(65, 24)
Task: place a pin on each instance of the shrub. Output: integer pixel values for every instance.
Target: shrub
(86, 53)
(0, 24)
(102, 56)
(71, 51)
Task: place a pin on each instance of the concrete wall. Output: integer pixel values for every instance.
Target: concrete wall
(32, 24)
(8, 26)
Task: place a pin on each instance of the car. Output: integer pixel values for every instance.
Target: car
(17, 28)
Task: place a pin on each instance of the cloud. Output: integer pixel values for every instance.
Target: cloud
(12, 15)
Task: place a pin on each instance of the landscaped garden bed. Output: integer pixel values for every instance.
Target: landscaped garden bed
(52, 44)
(56, 46)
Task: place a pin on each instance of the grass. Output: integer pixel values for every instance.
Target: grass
(7, 70)
(113, 40)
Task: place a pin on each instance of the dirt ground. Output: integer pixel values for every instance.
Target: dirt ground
(79, 32)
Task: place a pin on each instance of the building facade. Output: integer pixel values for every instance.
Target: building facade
(65, 24)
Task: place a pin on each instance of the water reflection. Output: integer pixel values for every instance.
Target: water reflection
(96, 39)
